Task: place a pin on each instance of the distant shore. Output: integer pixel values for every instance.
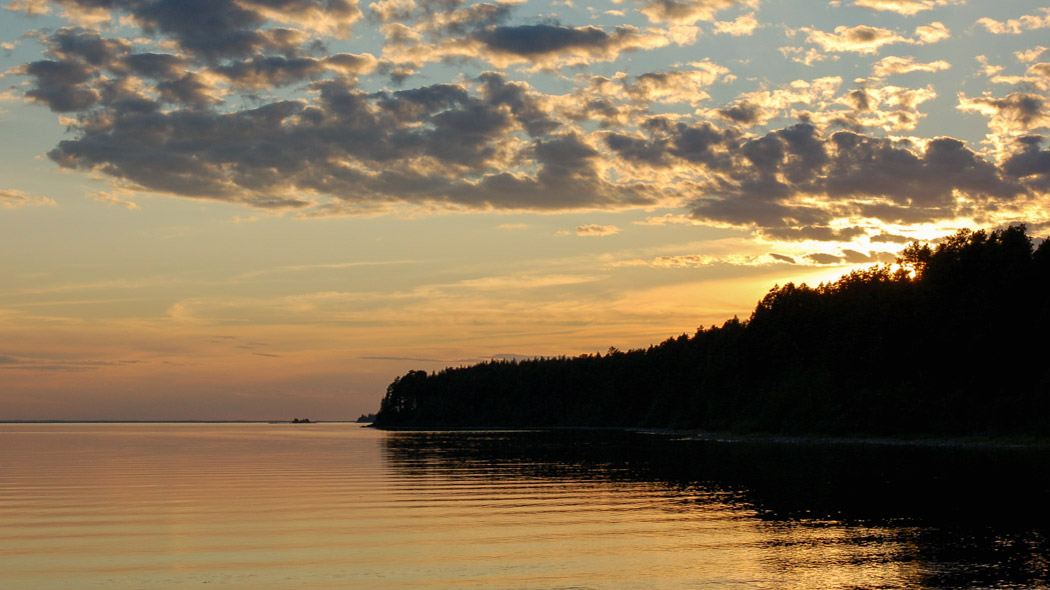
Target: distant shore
(176, 422)
(802, 439)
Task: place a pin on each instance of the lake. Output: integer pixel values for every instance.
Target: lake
(340, 506)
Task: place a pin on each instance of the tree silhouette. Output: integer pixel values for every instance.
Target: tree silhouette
(941, 343)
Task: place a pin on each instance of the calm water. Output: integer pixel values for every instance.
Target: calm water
(338, 506)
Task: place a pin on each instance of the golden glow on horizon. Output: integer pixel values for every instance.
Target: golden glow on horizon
(298, 218)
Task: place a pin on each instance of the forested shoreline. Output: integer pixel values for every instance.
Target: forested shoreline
(952, 341)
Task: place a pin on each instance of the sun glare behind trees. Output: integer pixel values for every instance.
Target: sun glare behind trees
(946, 343)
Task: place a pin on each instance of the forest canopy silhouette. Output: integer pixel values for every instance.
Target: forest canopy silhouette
(949, 341)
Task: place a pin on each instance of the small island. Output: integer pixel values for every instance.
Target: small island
(950, 341)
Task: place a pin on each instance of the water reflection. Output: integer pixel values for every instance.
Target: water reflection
(258, 506)
(806, 514)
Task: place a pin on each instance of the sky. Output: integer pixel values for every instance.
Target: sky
(266, 209)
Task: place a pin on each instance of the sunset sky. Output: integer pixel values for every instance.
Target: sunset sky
(263, 209)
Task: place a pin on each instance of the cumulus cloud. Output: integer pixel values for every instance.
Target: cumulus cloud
(1031, 55)
(29, 7)
(891, 108)
(552, 45)
(597, 230)
(891, 65)
(15, 199)
(867, 39)
(873, 105)
(805, 56)
(87, 70)
(230, 28)
(932, 33)
(743, 25)
(797, 177)
(824, 258)
(1016, 26)
(678, 86)
(543, 46)
(1035, 78)
(441, 144)
(242, 101)
(818, 233)
(688, 11)
(668, 219)
(905, 7)
(686, 261)
(276, 71)
(751, 109)
(1012, 115)
(861, 39)
(1030, 164)
(112, 198)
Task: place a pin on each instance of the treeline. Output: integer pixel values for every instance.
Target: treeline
(952, 342)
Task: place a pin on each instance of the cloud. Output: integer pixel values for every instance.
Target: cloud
(891, 108)
(866, 39)
(892, 65)
(668, 219)
(263, 114)
(932, 33)
(796, 177)
(15, 199)
(688, 12)
(50, 365)
(679, 86)
(905, 7)
(805, 56)
(405, 358)
(555, 45)
(758, 108)
(743, 25)
(818, 233)
(1016, 26)
(798, 183)
(1031, 55)
(1011, 115)
(849, 256)
(214, 29)
(1030, 164)
(459, 20)
(438, 144)
(514, 283)
(889, 238)
(114, 199)
(542, 46)
(688, 261)
(597, 230)
(392, 10)
(29, 7)
(860, 39)
(276, 71)
(824, 258)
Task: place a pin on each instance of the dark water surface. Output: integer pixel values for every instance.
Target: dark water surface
(338, 506)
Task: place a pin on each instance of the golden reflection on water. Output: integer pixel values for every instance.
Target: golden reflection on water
(328, 506)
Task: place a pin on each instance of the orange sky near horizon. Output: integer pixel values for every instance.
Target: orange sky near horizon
(257, 209)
